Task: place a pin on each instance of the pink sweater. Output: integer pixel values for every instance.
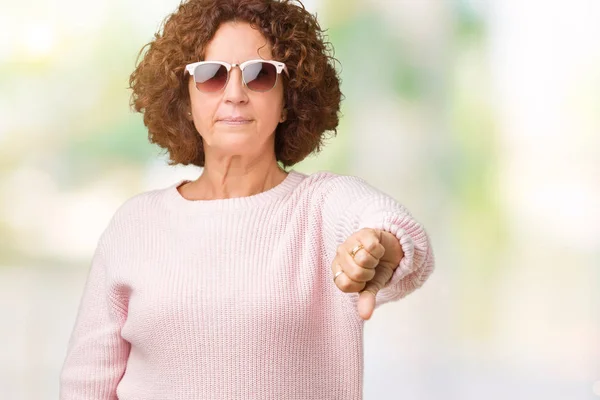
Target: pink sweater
(233, 298)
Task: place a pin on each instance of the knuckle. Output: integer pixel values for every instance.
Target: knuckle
(371, 274)
(350, 287)
(372, 246)
(361, 259)
(371, 231)
(367, 236)
(355, 276)
(345, 287)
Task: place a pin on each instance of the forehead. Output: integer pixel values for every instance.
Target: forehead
(236, 42)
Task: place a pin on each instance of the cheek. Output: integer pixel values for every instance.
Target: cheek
(272, 108)
(202, 109)
(197, 99)
(269, 114)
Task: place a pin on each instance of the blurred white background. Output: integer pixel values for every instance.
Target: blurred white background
(482, 117)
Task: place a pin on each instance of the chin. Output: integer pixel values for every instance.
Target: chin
(236, 144)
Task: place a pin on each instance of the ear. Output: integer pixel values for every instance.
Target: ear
(188, 116)
(283, 115)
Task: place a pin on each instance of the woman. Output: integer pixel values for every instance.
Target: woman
(249, 282)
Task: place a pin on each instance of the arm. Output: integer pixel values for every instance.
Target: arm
(351, 204)
(97, 354)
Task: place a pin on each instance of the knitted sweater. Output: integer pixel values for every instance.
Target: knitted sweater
(233, 298)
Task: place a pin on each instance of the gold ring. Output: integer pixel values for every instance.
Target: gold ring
(337, 274)
(356, 249)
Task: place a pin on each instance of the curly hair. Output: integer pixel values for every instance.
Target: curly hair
(311, 92)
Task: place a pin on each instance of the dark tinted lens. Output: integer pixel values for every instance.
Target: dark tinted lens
(260, 76)
(210, 77)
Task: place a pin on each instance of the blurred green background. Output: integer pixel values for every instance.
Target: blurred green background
(482, 117)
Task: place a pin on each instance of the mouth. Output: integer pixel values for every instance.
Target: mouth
(235, 121)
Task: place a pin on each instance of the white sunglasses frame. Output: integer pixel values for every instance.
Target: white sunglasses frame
(279, 66)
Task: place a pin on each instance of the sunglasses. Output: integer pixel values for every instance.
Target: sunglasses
(257, 75)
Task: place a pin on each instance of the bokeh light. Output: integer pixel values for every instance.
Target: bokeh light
(481, 117)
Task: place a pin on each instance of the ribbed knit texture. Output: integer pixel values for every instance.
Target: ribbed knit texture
(233, 298)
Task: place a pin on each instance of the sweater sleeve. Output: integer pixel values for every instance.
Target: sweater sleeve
(352, 204)
(97, 354)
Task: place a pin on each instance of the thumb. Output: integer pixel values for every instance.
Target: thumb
(366, 304)
(366, 300)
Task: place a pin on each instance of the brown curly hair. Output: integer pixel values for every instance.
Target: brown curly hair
(311, 92)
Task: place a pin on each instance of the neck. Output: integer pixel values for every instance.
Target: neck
(229, 179)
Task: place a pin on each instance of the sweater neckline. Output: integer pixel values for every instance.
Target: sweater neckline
(179, 202)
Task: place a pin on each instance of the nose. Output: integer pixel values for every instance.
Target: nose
(235, 91)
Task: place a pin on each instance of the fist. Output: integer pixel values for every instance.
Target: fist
(364, 263)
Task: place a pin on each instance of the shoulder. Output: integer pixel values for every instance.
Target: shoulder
(333, 194)
(330, 184)
(144, 203)
(138, 210)
(330, 180)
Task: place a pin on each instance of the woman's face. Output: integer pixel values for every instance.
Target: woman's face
(236, 43)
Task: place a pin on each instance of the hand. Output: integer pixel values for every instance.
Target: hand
(367, 261)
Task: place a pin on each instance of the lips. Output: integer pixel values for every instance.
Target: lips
(235, 119)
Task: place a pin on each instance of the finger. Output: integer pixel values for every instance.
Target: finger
(391, 243)
(362, 259)
(364, 254)
(367, 298)
(366, 305)
(346, 284)
(371, 242)
(383, 273)
(357, 272)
